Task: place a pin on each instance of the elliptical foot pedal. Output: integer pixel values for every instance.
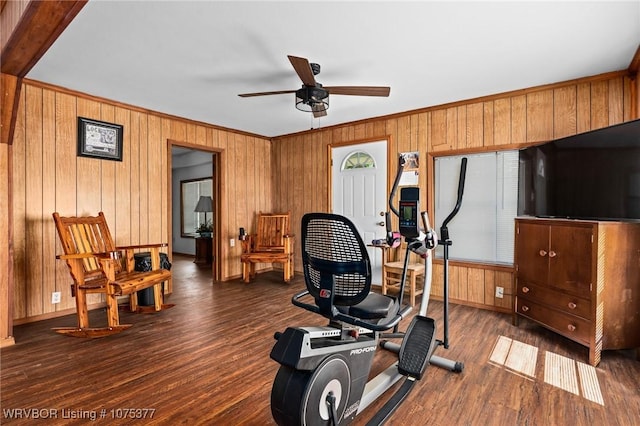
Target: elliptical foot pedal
(417, 347)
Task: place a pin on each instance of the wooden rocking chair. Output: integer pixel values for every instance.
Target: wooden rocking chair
(272, 243)
(98, 266)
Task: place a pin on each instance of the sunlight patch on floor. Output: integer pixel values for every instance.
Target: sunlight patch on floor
(501, 350)
(589, 383)
(517, 357)
(559, 371)
(522, 358)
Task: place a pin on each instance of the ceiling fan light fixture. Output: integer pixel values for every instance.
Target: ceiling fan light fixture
(312, 99)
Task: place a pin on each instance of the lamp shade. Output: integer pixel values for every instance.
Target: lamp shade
(205, 204)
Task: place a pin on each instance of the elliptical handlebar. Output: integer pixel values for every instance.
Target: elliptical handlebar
(444, 231)
(446, 242)
(393, 238)
(396, 182)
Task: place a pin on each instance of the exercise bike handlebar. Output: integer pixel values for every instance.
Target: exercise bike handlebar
(402, 313)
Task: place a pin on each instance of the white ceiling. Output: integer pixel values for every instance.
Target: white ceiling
(192, 59)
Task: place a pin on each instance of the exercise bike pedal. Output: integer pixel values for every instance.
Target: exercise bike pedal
(417, 347)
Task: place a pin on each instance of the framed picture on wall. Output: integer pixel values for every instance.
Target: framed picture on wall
(411, 169)
(99, 139)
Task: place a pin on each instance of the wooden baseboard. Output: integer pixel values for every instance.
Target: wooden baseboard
(65, 312)
(183, 254)
(7, 341)
(474, 305)
(50, 315)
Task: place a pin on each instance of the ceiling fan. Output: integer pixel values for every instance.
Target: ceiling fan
(313, 96)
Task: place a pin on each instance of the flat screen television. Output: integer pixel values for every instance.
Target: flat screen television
(592, 176)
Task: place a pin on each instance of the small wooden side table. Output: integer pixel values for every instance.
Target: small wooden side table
(204, 251)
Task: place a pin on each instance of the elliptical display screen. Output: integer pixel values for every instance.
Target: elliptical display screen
(409, 201)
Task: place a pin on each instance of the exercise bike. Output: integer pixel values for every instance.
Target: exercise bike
(323, 378)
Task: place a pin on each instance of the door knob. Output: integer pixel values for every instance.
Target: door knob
(542, 253)
(382, 223)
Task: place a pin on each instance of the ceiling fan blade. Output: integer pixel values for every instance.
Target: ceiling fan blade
(358, 90)
(278, 92)
(303, 69)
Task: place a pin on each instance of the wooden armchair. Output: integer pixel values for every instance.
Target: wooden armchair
(96, 265)
(272, 243)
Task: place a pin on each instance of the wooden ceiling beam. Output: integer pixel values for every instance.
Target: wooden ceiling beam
(10, 91)
(35, 29)
(634, 71)
(634, 66)
(39, 26)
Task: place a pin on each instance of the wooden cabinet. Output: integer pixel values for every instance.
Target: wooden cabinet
(580, 279)
(204, 251)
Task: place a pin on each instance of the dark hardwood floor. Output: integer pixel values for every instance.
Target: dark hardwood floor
(206, 361)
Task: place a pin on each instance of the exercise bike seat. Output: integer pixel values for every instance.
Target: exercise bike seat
(374, 307)
(337, 273)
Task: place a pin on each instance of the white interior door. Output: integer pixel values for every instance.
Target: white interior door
(359, 175)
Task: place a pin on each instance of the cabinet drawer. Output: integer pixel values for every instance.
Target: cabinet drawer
(580, 288)
(560, 301)
(575, 328)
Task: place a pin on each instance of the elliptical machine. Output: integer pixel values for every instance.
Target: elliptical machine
(323, 378)
(407, 214)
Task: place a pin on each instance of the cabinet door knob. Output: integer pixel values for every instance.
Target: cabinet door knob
(525, 289)
(572, 305)
(552, 253)
(571, 327)
(525, 308)
(543, 253)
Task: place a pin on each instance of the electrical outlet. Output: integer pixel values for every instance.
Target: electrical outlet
(55, 297)
(499, 292)
(232, 242)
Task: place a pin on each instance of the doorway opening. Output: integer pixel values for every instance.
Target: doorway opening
(195, 182)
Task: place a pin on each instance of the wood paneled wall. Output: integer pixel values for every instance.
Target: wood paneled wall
(504, 121)
(133, 194)
(6, 283)
(48, 176)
